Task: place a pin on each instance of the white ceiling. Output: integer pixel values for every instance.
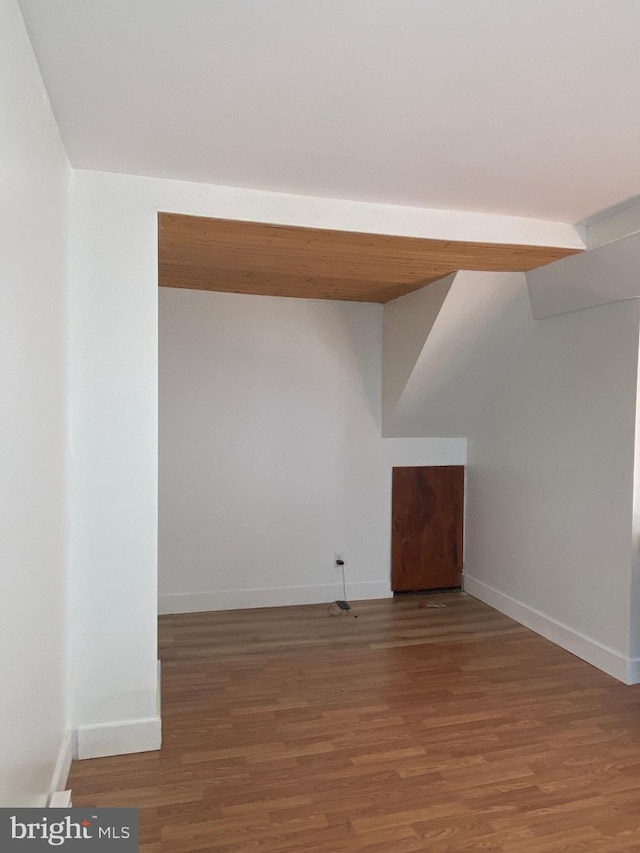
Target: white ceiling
(503, 106)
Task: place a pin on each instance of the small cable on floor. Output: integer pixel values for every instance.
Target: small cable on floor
(343, 606)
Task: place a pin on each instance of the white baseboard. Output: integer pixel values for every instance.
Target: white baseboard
(633, 671)
(120, 738)
(60, 800)
(63, 765)
(240, 599)
(600, 656)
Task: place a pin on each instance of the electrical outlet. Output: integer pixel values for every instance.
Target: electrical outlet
(337, 555)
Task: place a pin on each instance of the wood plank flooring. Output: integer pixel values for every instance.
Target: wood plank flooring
(404, 729)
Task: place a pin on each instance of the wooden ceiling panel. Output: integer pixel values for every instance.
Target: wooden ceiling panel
(277, 260)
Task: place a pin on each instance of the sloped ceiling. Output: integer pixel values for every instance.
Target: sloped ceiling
(479, 105)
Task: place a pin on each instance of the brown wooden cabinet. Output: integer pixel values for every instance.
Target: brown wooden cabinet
(427, 527)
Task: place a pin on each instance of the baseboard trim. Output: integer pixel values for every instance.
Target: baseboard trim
(120, 738)
(589, 650)
(60, 800)
(63, 765)
(633, 671)
(241, 599)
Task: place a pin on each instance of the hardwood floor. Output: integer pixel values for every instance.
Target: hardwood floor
(404, 729)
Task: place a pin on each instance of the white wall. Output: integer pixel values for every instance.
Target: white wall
(467, 348)
(113, 481)
(550, 485)
(113, 385)
(271, 457)
(34, 749)
(606, 274)
(407, 322)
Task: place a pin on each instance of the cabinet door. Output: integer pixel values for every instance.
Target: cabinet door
(427, 523)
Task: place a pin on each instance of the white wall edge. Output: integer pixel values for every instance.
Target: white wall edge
(60, 800)
(589, 650)
(120, 738)
(278, 208)
(62, 767)
(159, 690)
(241, 599)
(633, 671)
(616, 223)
